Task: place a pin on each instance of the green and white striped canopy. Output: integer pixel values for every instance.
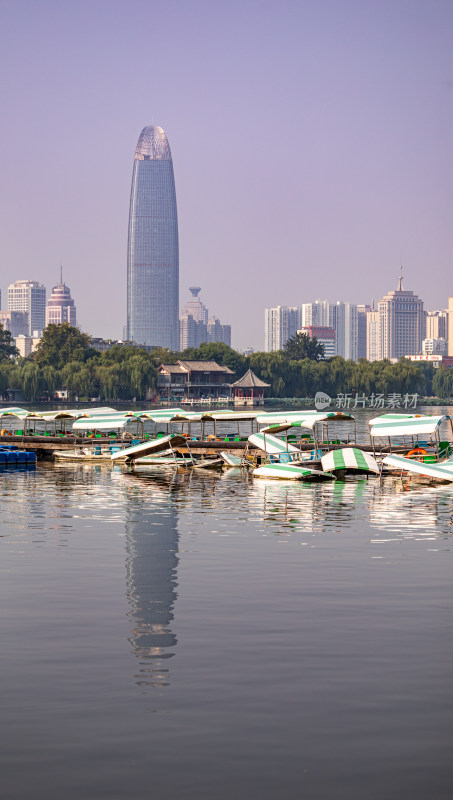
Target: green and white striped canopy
(442, 471)
(289, 472)
(271, 444)
(406, 425)
(302, 419)
(113, 422)
(349, 458)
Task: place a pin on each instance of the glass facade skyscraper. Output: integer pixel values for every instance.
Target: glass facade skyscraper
(152, 251)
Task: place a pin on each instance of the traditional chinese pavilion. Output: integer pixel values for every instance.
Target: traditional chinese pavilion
(249, 390)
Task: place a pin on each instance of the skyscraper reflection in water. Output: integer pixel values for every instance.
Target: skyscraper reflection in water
(151, 588)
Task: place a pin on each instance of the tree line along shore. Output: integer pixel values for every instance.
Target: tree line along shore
(65, 359)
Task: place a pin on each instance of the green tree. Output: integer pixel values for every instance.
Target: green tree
(219, 352)
(31, 380)
(77, 378)
(7, 347)
(50, 378)
(302, 346)
(61, 344)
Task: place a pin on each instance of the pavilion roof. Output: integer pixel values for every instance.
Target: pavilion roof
(250, 381)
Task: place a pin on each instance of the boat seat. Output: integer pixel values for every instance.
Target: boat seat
(316, 454)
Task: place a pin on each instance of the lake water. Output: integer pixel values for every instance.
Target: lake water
(215, 636)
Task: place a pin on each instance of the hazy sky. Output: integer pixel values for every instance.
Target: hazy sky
(311, 143)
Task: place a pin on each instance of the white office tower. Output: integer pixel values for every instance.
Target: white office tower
(60, 306)
(402, 323)
(29, 296)
(280, 324)
(344, 319)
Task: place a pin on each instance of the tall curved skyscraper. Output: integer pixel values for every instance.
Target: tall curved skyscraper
(152, 250)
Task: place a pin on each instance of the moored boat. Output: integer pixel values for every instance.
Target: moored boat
(349, 460)
(291, 472)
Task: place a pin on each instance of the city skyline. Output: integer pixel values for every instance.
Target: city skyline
(329, 162)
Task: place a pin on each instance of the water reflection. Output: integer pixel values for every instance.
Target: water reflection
(152, 542)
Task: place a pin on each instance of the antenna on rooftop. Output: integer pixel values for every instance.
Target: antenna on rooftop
(400, 285)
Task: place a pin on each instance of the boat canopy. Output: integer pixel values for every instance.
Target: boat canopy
(409, 426)
(114, 422)
(14, 411)
(349, 458)
(272, 444)
(147, 448)
(442, 471)
(395, 418)
(53, 415)
(303, 419)
(152, 413)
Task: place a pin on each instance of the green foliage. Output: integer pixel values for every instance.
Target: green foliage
(7, 348)
(61, 344)
(66, 360)
(302, 346)
(443, 383)
(32, 381)
(219, 352)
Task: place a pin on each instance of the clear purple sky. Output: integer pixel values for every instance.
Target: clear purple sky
(311, 141)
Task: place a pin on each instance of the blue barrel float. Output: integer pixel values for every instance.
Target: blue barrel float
(11, 456)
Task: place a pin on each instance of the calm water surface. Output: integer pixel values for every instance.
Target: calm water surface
(215, 636)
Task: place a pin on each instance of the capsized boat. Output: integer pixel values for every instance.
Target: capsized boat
(232, 460)
(442, 471)
(152, 447)
(349, 460)
(291, 472)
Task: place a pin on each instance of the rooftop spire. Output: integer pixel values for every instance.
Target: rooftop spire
(400, 282)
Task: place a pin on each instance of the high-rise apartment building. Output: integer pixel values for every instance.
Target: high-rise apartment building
(373, 337)
(29, 297)
(435, 347)
(362, 312)
(192, 332)
(402, 323)
(16, 322)
(280, 324)
(436, 323)
(218, 332)
(195, 327)
(317, 313)
(195, 307)
(450, 326)
(153, 250)
(60, 306)
(344, 320)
